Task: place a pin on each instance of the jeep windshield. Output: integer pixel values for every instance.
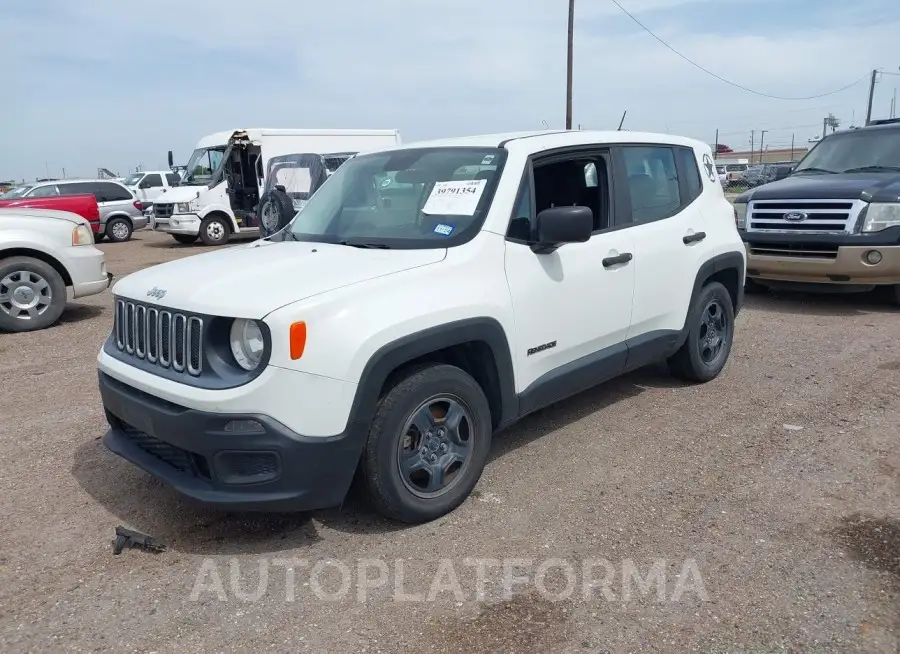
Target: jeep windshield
(409, 198)
(858, 151)
(202, 165)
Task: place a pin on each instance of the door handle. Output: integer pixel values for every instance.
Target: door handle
(694, 238)
(625, 257)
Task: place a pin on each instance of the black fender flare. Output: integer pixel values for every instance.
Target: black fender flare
(392, 355)
(727, 261)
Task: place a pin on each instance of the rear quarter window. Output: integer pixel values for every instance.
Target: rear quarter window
(110, 192)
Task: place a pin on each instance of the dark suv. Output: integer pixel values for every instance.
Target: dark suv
(834, 221)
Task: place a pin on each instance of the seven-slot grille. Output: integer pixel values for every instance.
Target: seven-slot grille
(807, 216)
(165, 338)
(163, 210)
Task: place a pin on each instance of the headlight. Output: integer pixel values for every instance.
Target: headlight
(740, 214)
(881, 216)
(183, 207)
(247, 344)
(82, 235)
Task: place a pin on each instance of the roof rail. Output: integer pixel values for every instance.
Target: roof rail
(884, 121)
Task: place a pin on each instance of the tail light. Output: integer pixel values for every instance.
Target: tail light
(138, 205)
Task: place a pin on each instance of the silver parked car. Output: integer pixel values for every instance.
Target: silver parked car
(121, 211)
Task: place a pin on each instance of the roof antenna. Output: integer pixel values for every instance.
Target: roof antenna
(544, 123)
(622, 122)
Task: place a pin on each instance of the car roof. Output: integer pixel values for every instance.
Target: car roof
(71, 181)
(146, 172)
(538, 141)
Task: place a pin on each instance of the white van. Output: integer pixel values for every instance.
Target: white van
(224, 177)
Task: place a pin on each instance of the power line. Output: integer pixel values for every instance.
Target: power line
(727, 81)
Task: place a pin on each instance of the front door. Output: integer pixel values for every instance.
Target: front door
(150, 188)
(572, 306)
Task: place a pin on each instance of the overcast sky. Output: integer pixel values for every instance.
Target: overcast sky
(93, 83)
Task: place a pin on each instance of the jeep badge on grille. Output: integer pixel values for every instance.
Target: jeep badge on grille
(157, 293)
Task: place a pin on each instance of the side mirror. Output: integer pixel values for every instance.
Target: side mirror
(171, 159)
(560, 225)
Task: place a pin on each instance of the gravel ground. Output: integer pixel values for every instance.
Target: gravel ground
(769, 499)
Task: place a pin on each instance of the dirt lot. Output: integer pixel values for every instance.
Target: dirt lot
(770, 498)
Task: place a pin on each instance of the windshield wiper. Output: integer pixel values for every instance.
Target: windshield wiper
(360, 244)
(815, 170)
(872, 169)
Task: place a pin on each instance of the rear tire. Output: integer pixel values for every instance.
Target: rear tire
(428, 444)
(710, 334)
(32, 294)
(215, 230)
(119, 230)
(897, 294)
(186, 239)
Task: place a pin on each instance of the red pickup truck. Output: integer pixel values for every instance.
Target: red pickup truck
(85, 205)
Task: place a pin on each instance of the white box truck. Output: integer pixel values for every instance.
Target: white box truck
(224, 177)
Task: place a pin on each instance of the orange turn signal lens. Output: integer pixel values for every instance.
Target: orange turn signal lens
(298, 339)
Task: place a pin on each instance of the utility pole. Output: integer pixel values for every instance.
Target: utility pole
(762, 139)
(871, 97)
(792, 147)
(569, 64)
(716, 149)
(752, 141)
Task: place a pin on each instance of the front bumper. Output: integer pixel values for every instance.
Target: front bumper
(245, 462)
(87, 268)
(179, 223)
(824, 259)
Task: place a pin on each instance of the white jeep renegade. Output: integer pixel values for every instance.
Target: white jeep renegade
(426, 296)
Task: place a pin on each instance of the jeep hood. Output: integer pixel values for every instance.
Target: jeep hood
(253, 280)
(871, 187)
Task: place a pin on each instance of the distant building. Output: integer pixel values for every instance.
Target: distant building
(769, 155)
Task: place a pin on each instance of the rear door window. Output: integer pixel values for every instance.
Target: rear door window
(110, 192)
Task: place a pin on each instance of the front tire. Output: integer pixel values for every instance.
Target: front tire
(214, 230)
(710, 334)
(427, 445)
(186, 239)
(119, 230)
(32, 294)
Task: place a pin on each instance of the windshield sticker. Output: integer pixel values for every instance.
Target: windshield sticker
(443, 230)
(487, 160)
(455, 198)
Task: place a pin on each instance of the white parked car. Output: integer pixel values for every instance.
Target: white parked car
(392, 326)
(45, 256)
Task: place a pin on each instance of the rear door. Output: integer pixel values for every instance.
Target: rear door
(670, 243)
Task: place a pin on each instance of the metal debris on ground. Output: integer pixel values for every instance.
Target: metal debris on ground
(135, 539)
